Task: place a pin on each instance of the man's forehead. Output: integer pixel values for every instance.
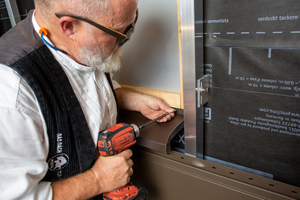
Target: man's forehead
(124, 2)
(123, 13)
(123, 6)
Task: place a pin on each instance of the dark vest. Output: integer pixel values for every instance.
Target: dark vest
(72, 149)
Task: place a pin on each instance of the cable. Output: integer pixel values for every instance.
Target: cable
(43, 31)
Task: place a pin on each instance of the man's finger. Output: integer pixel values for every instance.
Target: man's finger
(126, 154)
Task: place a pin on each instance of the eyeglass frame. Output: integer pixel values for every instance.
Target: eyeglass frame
(123, 37)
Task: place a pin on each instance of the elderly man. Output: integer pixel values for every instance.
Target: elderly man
(57, 94)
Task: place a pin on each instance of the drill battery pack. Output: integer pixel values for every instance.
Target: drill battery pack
(127, 192)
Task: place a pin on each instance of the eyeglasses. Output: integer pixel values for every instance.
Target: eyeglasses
(123, 37)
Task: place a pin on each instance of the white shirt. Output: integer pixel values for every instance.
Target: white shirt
(23, 132)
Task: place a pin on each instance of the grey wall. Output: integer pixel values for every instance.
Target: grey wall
(151, 57)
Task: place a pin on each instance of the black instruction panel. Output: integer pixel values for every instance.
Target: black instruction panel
(252, 54)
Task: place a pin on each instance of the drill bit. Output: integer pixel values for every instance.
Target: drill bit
(154, 120)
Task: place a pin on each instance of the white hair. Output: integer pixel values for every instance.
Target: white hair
(92, 58)
(95, 58)
(93, 9)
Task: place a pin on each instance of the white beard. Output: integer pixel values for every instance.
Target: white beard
(93, 57)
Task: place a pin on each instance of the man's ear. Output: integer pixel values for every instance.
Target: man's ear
(67, 25)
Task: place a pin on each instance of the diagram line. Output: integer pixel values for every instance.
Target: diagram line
(256, 92)
(230, 61)
(269, 53)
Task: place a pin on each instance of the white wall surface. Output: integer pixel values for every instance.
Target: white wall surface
(151, 57)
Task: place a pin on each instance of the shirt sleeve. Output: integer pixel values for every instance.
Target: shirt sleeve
(23, 145)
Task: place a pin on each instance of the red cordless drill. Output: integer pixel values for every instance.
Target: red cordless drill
(112, 141)
(117, 138)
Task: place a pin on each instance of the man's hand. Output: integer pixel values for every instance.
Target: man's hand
(113, 172)
(107, 174)
(153, 107)
(150, 106)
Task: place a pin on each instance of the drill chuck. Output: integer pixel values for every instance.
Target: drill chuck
(136, 130)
